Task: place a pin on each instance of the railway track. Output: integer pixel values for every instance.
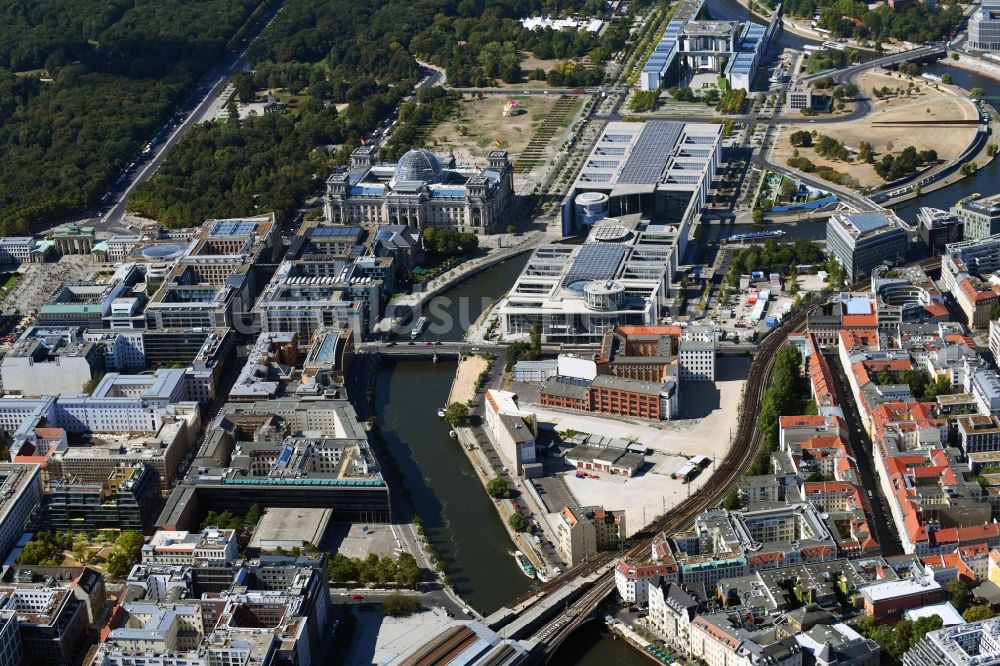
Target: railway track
(727, 475)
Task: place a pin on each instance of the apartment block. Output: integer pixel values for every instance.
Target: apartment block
(179, 547)
(583, 531)
(270, 612)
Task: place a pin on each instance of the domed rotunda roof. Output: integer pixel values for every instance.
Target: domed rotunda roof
(419, 164)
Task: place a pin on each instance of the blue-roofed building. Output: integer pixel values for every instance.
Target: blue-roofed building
(421, 190)
(213, 275)
(862, 241)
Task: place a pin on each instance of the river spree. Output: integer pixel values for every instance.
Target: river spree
(459, 518)
(450, 313)
(986, 181)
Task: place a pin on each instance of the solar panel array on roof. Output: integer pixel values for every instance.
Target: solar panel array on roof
(443, 192)
(750, 44)
(335, 232)
(649, 156)
(663, 53)
(232, 228)
(742, 63)
(865, 222)
(595, 261)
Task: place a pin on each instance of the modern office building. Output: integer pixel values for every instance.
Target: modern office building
(298, 300)
(47, 361)
(979, 257)
(966, 645)
(937, 228)
(800, 98)
(114, 429)
(661, 170)
(285, 453)
(704, 46)
(213, 282)
(20, 497)
(10, 639)
(984, 27)
(16, 249)
(696, 353)
(862, 241)
(420, 191)
(979, 218)
(652, 179)
(978, 433)
(658, 69)
(204, 351)
(111, 304)
(52, 622)
(86, 583)
(577, 293)
(44, 361)
(128, 500)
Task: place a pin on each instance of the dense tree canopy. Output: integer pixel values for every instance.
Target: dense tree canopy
(261, 164)
(96, 79)
(478, 43)
(849, 18)
(783, 397)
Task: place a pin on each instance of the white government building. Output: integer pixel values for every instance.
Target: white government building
(419, 191)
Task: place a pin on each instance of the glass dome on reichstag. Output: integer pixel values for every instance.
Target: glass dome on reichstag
(418, 164)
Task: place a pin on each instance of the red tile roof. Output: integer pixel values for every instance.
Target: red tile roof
(936, 309)
(859, 320)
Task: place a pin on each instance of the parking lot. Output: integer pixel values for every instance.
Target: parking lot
(553, 492)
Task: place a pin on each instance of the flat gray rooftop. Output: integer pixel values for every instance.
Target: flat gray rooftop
(292, 525)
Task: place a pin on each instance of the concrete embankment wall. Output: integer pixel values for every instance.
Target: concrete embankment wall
(976, 66)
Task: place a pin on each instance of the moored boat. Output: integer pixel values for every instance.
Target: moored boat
(418, 328)
(522, 562)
